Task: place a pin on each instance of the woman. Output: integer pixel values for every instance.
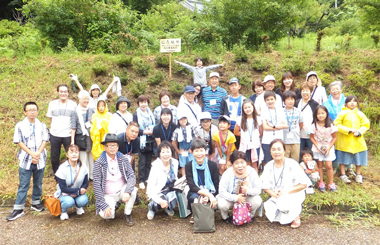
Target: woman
(95, 91)
(287, 83)
(202, 176)
(100, 121)
(161, 180)
(82, 126)
(163, 131)
(240, 175)
(257, 88)
(72, 179)
(335, 102)
(164, 98)
(144, 117)
(319, 92)
(284, 181)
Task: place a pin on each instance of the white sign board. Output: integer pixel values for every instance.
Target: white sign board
(170, 45)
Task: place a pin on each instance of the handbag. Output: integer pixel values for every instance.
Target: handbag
(183, 202)
(52, 204)
(80, 140)
(148, 147)
(242, 213)
(204, 217)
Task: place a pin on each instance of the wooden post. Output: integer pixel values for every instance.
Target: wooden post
(170, 65)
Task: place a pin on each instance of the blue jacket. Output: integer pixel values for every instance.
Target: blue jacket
(333, 109)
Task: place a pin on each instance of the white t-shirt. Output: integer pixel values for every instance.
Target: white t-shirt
(192, 111)
(292, 133)
(272, 117)
(117, 125)
(61, 117)
(307, 115)
(261, 105)
(252, 134)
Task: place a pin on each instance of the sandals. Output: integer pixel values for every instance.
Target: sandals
(296, 223)
(191, 220)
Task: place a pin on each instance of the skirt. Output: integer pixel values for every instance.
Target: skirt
(330, 157)
(346, 158)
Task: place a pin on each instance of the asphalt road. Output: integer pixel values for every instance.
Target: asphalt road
(42, 228)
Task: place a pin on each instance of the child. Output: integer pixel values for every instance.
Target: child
(323, 136)
(257, 88)
(199, 71)
(269, 84)
(310, 167)
(351, 146)
(249, 128)
(205, 131)
(225, 142)
(31, 135)
(295, 122)
(274, 121)
(100, 121)
(181, 139)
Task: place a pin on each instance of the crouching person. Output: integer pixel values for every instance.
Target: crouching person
(114, 181)
(239, 184)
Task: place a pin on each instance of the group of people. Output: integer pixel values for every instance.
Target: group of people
(218, 142)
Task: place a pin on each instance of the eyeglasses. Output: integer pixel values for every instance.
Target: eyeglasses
(63, 91)
(32, 110)
(112, 146)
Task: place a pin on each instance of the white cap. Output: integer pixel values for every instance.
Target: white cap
(268, 78)
(95, 86)
(311, 73)
(214, 74)
(205, 115)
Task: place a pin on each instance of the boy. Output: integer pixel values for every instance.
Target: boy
(295, 123)
(31, 135)
(310, 167)
(273, 121)
(231, 105)
(225, 142)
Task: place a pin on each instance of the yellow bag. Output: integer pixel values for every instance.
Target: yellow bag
(53, 204)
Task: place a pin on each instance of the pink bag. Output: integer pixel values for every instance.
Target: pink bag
(242, 213)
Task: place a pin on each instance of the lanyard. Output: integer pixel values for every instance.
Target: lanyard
(59, 107)
(223, 142)
(129, 152)
(280, 177)
(238, 108)
(291, 119)
(250, 131)
(275, 117)
(315, 89)
(163, 131)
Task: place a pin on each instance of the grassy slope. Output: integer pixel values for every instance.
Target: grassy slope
(36, 77)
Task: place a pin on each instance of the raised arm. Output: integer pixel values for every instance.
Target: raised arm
(110, 86)
(75, 79)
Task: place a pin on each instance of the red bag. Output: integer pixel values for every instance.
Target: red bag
(242, 213)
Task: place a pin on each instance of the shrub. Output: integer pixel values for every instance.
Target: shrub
(295, 66)
(176, 89)
(124, 61)
(100, 70)
(141, 68)
(138, 88)
(124, 79)
(156, 79)
(333, 65)
(260, 64)
(241, 53)
(373, 113)
(375, 66)
(162, 60)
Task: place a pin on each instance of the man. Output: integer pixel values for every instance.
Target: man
(212, 97)
(191, 109)
(31, 135)
(129, 143)
(114, 181)
(119, 121)
(60, 112)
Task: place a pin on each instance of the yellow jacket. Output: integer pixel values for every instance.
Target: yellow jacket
(99, 128)
(351, 120)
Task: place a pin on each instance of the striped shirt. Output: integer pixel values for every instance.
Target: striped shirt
(211, 100)
(100, 178)
(32, 136)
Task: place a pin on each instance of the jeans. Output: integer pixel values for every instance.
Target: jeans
(24, 176)
(68, 202)
(191, 197)
(55, 151)
(145, 160)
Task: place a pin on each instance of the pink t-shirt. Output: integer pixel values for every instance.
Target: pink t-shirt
(115, 180)
(322, 135)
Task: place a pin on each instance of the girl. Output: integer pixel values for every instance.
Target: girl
(287, 83)
(199, 71)
(249, 128)
(95, 91)
(181, 140)
(319, 92)
(257, 88)
(100, 121)
(323, 136)
(144, 117)
(351, 146)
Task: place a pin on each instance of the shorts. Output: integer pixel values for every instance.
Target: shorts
(183, 160)
(248, 153)
(266, 151)
(346, 158)
(330, 157)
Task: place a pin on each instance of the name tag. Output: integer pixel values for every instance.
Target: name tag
(251, 145)
(185, 153)
(233, 117)
(213, 102)
(129, 157)
(222, 161)
(289, 136)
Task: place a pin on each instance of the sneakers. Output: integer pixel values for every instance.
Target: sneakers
(345, 179)
(15, 214)
(129, 219)
(310, 190)
(142, 186)
(64, 216)
(322, 186)
(169, 212)
(38, 207)
(150, 215)
(333, 187)
(359, 178)
(80, 211)
(351, 174)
